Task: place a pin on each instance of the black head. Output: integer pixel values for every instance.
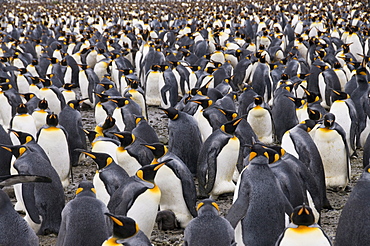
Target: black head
(230, 126)
(52, 119)
(22, 109)
(258, 100)
(43, 104)
(123, 227)
(157, 149)
(148, 172)
(16, 150)
(101, 159)
(208, 205)
(329, 120)
(23, 137)
(171, 112)
(302, 215)
(126, 138)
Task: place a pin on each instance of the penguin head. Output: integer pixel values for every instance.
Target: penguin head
(122, 101)
(157, 149)
(52, 119)
(276, 153)
(16, 150)
(139, 118)
(171, 112)
(43, 104)
(86, 188)
(258, 154)
(126, 138)
(204, 102)
(230, 126)
(208, 206)
(338, 95)
(308, 124)
(46, 82)
(258, 100)
(69, 86)
(101, 159)
(329, 120)
(5, 86)
(22, 109)
(22, 70)
(108, 123)
(23, 137)
(148, 172)
(27, 96)
(123, 227)
(310, 96)
(230, 114)
(75, 104)
(302, 215)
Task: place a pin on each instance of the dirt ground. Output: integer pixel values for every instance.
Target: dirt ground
(159, 122)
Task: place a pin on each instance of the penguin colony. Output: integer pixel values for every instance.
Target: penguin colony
(266, 101)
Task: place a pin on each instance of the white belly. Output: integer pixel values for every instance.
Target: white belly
(288, 146)
(101, 191)
(55, 145)
(226, 162)
(203, 124)
(260, 121)
(152, 89)
(105, 147)
(144, 210)
(24, 123)
(333, 155)
(5, 111)
(342, 117)
(172, 197)
(310, 236)
(127, 162)
(39, 118)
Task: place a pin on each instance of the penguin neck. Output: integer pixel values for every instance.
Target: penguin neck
(112, 241)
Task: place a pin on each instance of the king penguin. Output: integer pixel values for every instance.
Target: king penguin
(15, 228)
(53, 138)
(185, 139)
(109, 176)
(355, 215)
(178, 192)
(303, 230)
(126, 232)
(209, 228)
(258, 185)
(299, 143)
(44, 202)
(330, 140)
(259, 117)
(139, 198)
(71, 120)
(217, 161)
(83, 219)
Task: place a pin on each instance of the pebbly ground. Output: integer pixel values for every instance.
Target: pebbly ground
(329, 219)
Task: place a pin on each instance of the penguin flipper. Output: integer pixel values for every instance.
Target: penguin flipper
(30, 202)
(207, 172)
(239, 208)
(164, 90)
(8, 180)
(188, 187)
